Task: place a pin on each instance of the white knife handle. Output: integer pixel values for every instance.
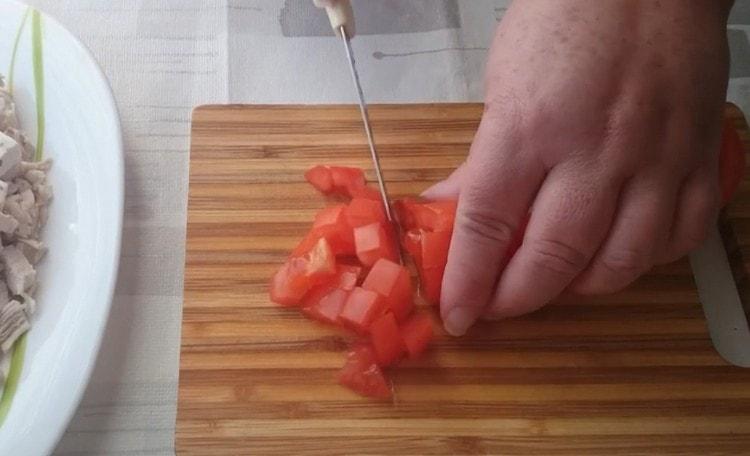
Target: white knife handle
(340, 14)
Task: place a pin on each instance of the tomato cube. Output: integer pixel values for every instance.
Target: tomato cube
(365, 193)
(326, 306)
(331, 223)
(417, 334)
(362, 212)
(362, 307)
(362, 375)
(386, 340)
(430, 216)
(391, 281)
(288, 284)
(298, 275)
(348, 276)
(372, 243)
(346, 179)
(320, 178)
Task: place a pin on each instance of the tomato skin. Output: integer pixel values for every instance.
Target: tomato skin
(372, 243)
(417, 334)
(320, 178)
(327, 306)
(731, 162)
(362, 375)
(385, 337)
(362, 307)
(362, 212)
(427, 215)
(391, 281)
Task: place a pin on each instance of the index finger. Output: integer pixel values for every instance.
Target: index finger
(500, 183)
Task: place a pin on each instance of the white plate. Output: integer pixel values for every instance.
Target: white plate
(83, 233)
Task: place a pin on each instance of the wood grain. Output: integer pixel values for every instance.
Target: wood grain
(631, 373)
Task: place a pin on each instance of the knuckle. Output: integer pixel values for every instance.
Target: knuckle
(625, 261)
(486, 226)
(557, 256)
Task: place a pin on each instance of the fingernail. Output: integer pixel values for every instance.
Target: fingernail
(458, 321)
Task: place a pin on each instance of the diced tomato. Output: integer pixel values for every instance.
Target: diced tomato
(386, 340)
(348, 276)
(328, 306)
(731, 162)
(411, 240)
(435, 246)
(361, 308)
(430, 215)
(288, 284)
(391, 281)
(372, 243)
(320, 178)
(431, 283)
(298, 275)
(362, 375)
(365, 193)
(307, 243)
(331, 223)
(362, 212)
(417, 334)
(346, 179)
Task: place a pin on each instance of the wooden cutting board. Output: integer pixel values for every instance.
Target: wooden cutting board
(631, 373)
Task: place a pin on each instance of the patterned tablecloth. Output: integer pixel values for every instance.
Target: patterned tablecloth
(163, 57)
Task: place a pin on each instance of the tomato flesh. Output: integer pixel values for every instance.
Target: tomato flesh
(328, 306)
(417, 334)
(362, 375)
(320, 178)
(372, 243)
(391, 281)
(385, 337)
(361, 211)
(361, 308)
(298, 275)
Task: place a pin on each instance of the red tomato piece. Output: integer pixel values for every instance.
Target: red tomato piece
(365, 193)
(391, 281)
(320, 178)
(348, 276)
(412, 243)
(417, 334)
(435, 249)
(361, 308)
(346, 179)
(386, 340)
(328, 306)
(331, 223)
(372, 243)
(431, 283)
(731, 162)
(307, 243)
(362, 375)
(441, 215)
(430, 215)
(298, 275)
(288, 284)
(362, 212)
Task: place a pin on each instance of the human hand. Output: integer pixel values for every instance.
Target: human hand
(603, 117)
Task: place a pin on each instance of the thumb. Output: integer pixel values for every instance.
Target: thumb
(448, 188)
